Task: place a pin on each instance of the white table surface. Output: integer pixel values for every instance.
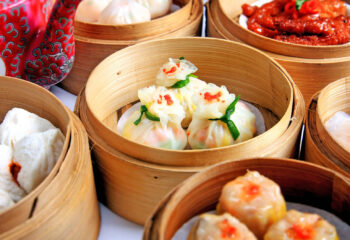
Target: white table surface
(112, 226)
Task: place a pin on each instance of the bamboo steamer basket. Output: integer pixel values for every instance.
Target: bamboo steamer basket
(133, 186)
(321, 147)
(64, 205)
(300, 182)
(257, 78)
(311, 67)
(94, 42)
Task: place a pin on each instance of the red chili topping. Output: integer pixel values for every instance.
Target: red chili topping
(298, 231)
(178, 65)
(172, 70)
(250, 191)
(227, 231)
(160, 99)
(14, 170)
(310, 7)
(209, 97)
(168, 99)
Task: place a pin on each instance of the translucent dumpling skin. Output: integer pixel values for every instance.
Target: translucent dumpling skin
(254, 200)
(301, 226)
(211, 103)
(223, 227)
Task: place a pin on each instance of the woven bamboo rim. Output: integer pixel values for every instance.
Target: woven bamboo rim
(228, 16)
(101, 109)
(299, 181)
(91, 50)
(137, 31)
(316, 150)
(333, 98)
(132, 187)
(311, 75)
(68, 192)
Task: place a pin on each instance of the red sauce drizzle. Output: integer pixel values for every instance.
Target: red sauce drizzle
(299, 232)
(209, 97)
(168, 99)
(227, 231)
(172, 70)
(14, 170)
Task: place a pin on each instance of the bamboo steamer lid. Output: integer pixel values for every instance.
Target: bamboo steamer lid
(64, 205)
(243, 70)
(311, 67)
(94, 42)
(133, 186)
(321, 147)
(299, 181)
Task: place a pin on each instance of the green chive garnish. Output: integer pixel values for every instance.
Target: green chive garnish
(226, 119)
(182, 83)
(182, 58)
(150, 116)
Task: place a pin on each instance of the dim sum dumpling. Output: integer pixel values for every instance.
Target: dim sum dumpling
(164, 132)
(254, 200)
(339, 127)
(8, 174)
(37, 154)
(121, 12)
(90, 10)
(5, 200)
(173, 71)
(298, 225)
(157, 8)
(210, 226)
(19, 123)
(211, 103)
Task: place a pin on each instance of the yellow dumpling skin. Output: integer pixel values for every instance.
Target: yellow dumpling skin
(301, 226)
(254, 200)
(223, 227)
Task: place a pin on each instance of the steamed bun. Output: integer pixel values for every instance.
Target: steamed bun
(5, 200)
(19, 123)
(37, 154)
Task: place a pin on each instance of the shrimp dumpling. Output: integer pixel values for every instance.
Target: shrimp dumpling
(157, 8)
(19, 123)
(210, 226)
(8, 174)
(5, 200)
(207, 131)
(339, 127)
(36, 155)
(297, 225)
(173, 71)
(90, 10)
(120, 12)
(156, 121)
(254, 200)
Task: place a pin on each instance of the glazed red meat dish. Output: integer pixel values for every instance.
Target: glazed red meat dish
(311, 22)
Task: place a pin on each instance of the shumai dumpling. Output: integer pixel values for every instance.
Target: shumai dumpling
(219, 227)
(19, 123)
(254, 200)
(9, 174)
(5, 200)
(36, 154)
(90, 10)
(207, 131)
(156, 121)
(120, 12)
(301, 226)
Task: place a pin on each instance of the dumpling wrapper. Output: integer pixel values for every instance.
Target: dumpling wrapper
(90, 10)
(5, 201)
(339, 127)
(157, 8)
(19, 123)
(7, 181)
(37, 154)
(120, 12)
